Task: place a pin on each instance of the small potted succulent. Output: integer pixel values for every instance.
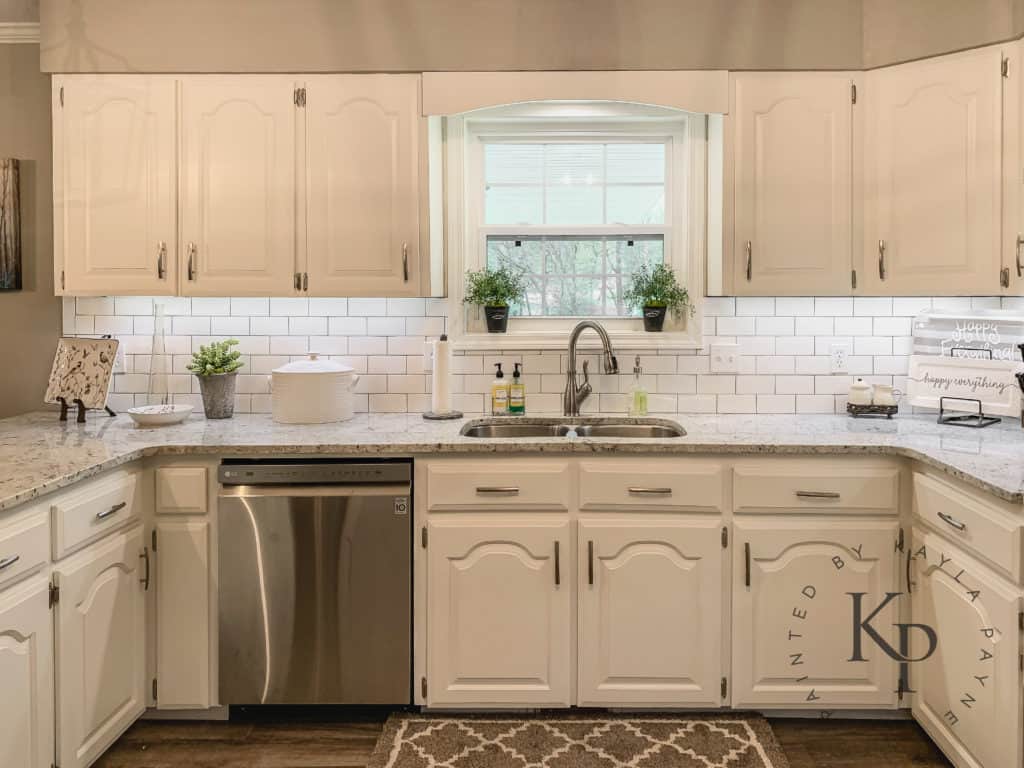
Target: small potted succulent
(655, 291)
(216, 365)
(495, 290)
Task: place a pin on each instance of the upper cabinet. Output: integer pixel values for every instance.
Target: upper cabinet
(933, 205)
(201, 185)
(364, 149)
(793, 177)
(114, 184)
(237, 195)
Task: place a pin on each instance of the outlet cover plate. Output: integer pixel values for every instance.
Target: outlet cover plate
(725, 358)
(839, 355)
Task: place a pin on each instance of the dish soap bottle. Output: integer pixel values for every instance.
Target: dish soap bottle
(517, 393)
(499, 393)
(637, 393)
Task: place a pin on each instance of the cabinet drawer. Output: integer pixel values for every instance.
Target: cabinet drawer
(24, 544)
(794, 486)
(970, 521)
(498, 484)
(669, 484)
(93, 510)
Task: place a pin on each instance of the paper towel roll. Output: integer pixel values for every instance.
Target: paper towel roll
(441, 381)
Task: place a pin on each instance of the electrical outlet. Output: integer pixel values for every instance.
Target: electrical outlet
(840, 358)
(725, 358)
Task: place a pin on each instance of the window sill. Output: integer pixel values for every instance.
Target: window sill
(559, 339)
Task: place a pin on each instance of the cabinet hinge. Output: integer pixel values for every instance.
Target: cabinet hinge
(54, 594)
(1004, 277)
(154, 689)
(423, 687)
(853, 93)
(300, 97)
(853, 278)
(725, 537)
(725, 687)
(62, 96)
(1005, 68)
(423, 539)
(152, 539)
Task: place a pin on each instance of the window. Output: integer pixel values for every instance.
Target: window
(577, 203)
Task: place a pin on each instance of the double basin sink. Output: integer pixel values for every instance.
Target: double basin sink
(567, 428)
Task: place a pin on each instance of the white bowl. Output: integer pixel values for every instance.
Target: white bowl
(159, 415)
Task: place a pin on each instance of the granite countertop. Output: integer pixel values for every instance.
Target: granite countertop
(39, 454)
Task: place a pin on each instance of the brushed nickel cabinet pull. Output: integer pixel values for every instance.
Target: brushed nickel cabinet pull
(161, 255)
(498, 490)
(108, 512)
(590, 563)
(750, 260)
(7, 562)
(405, 262)
(1020, 264)
(305, 281)
(145, 579)
(746, 563)
(817, 495)
(558, 566)
(191, 261)
(952, 522)
(650, 491)
(881, 259)
(298, 281)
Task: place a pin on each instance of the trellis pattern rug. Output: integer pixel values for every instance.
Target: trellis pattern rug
(577, 741)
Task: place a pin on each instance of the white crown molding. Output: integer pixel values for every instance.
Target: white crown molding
(19, 32)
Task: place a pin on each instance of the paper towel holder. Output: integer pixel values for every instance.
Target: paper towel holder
(442, 415)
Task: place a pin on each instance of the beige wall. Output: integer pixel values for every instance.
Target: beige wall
(30, 318)
(417, 35)
(902, 30)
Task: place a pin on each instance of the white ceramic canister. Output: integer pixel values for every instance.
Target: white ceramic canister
(860, 393)
(312, 391)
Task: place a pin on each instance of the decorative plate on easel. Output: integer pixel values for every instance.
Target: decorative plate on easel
(965, 384)
(82, 372)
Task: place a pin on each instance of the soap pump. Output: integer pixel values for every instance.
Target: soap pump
(517, 393)
(499, 393)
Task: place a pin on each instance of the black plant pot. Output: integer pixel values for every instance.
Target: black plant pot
(654, 318)
(497, 319)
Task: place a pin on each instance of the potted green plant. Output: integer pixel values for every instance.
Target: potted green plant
(656, 292)
(495, 290)
(216, 365)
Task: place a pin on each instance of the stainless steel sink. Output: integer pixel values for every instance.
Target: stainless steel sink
(558, 428)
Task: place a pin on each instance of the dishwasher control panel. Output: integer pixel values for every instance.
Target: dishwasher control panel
(313, 473)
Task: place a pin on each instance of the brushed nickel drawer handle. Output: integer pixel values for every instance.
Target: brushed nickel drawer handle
(952, 521)
(7, 562)
(651, 491)
(503, 490)
(817, 495)
(111, 511)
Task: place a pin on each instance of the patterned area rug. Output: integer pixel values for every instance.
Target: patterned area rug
(577, 741)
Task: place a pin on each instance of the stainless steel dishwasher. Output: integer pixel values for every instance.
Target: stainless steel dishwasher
(315, 582)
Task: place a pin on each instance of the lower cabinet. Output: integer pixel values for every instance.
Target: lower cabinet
(794, 626)
(26, 673)
(968, 694)
(100, 646)
(499, 610)
(650, 611)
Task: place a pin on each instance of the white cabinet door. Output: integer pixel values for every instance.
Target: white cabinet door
(968, 692)
(363, 185)
(793, 154)
(498, 601)
(793, 615)
(114, 184)
(934, 176)
(26, 676)
(100, 648)
(650, 611)
(183, 614)
(237, 203)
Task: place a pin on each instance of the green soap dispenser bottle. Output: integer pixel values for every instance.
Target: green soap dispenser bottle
(637, 392)
(517, 393)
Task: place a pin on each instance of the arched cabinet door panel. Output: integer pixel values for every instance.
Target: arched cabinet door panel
(363, 177)
(650, 611)
(499, 610)
(968, 692)
(238, 167)
(794, 615)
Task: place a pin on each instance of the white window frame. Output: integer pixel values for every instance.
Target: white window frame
(685, 135)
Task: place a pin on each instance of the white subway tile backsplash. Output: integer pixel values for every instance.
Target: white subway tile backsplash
(784, 344)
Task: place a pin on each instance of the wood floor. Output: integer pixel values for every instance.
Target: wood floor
(347, 742)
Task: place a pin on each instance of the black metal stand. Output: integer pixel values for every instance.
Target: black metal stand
(862, 411)
(973, 420)
(80, 419)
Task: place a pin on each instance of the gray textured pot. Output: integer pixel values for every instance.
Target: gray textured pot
(218, 395)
